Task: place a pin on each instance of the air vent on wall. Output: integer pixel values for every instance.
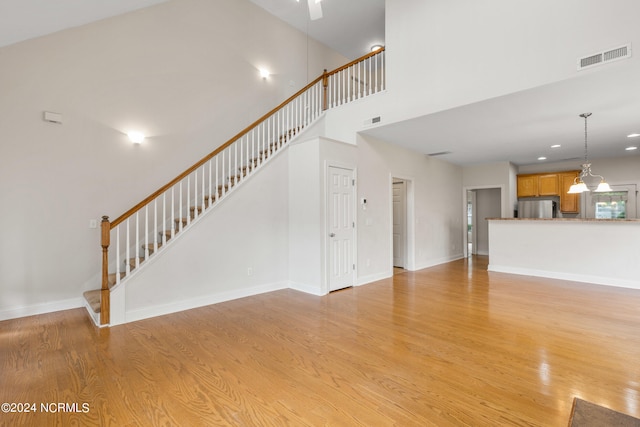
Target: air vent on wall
(621, 52)
(372, 121)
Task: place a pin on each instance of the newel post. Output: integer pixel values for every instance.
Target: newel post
(105, 227)
(325, 85)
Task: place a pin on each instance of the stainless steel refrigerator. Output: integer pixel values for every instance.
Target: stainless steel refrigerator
(536, 209)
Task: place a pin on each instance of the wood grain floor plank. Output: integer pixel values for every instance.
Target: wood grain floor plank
(452, 345)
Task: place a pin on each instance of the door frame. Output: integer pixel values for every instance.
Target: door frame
(410, 242)
(326, 280)
(404, 223)
(504, 200)
(474, 223)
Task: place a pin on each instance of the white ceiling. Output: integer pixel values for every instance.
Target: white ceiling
(349, 27)
(518, 127)
(26, 19)
(521, 127)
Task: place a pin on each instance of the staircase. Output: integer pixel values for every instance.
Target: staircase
(147, 229)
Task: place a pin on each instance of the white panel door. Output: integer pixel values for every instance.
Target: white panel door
(341, 226)
(399, 223)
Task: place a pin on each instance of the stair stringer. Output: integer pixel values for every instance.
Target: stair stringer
(138, 297)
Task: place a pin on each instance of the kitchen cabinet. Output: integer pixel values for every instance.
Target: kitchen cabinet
(569, 203)
(527, 185)
(534, 185)
(550, 184)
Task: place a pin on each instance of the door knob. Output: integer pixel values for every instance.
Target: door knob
(332, 234)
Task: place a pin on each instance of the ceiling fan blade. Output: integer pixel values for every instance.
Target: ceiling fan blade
(315, 9)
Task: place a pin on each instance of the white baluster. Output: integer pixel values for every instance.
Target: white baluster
(117, 230)
(369, 76)
(253, 148)
(210, 162)
(188, 199)
(180, 206)
(137, 239)
(146, 232)
(382, 73)
(127, 266)
(203, 188)
(164, 217)
(287, 126)
(343, 94)
(155, 225)
(173, 204)
(244, 138)
(216, 187)
(306, 107)
(223, 174)
(266, 138)
(354, 81)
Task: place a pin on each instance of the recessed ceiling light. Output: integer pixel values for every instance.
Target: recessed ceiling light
(264, 73)
(633, 135)
(542, 158)
(556, 146)
(631, 148)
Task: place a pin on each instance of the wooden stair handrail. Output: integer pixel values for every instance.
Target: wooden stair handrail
(355, 61)
(208, 157)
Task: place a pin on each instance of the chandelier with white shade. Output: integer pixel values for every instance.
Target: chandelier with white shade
(588, 179)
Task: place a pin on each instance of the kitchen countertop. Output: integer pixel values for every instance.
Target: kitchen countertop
(565, 219)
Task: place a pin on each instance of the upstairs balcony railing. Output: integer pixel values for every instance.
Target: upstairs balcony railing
(145, 229)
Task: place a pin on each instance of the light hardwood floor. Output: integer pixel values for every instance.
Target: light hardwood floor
(450, 345)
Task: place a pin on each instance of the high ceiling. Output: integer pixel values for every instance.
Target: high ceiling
(519, 127)
(349, 27)
(522, 127)
(25, 19)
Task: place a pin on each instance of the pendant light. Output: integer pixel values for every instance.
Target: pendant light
(579, 185)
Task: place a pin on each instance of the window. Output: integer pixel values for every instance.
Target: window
(612, 205)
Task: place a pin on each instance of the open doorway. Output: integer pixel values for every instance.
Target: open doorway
(471, 223)
(402, 224)
(399, 224)
(482, 203)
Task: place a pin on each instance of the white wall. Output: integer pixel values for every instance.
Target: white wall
(438, 215)
(443, 54)
(437, 210)
(237, 249)
(487, 206)
(573, 249)
(305, 217)
(184, 72)
(494, 175)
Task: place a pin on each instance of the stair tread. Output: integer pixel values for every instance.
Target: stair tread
(93, 299)
(111, 278)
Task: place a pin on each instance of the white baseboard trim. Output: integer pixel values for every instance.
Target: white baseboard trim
(42, 308)
(364, 280)
(597, 280)
(438, 261)
(306, 289)
(200, 301)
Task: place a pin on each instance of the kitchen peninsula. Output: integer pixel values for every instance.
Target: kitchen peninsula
(600, 251)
